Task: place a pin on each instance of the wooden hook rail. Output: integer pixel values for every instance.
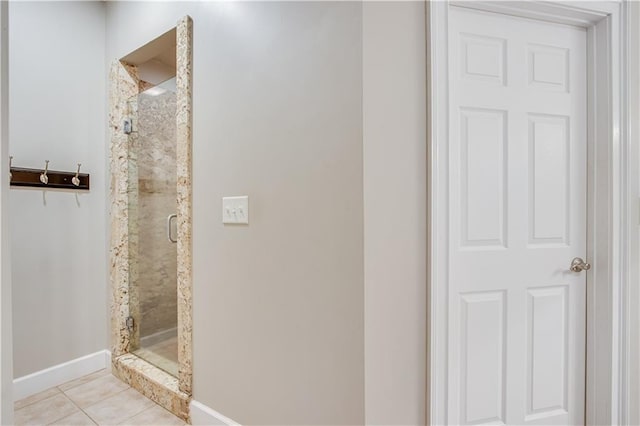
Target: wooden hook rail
(55, 179)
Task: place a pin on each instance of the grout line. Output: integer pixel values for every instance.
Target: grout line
(80, 384)
(60, 418)
(60, 392)
(111, 396)
(36, 401)
(129, 418)
(81, 410)
(97, 402)
(140, 412)
(102, 400)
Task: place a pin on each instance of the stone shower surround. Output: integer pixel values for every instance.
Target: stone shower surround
(170, 392)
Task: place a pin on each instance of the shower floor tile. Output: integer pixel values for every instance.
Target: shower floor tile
(163, 355)
(92, 400)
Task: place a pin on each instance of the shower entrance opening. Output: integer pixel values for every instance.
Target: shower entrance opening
(150, 122)
(152, 214)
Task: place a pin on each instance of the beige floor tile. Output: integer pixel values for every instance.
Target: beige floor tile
(35, 398)
(119, 407)
(77, 419)
(46, 411)
(83, 380)
(156, 416)
(95, 391)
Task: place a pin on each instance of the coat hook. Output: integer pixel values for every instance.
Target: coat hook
(43, 177)
(76, 180)
(10, 161)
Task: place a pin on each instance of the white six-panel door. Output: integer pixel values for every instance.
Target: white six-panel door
(518, 185)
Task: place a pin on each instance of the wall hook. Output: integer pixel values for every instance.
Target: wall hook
(10, 161)
(76, 180)
(43, 177)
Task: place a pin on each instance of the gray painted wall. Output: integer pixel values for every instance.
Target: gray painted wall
(57, 112)
(278, 305)
(395, 211)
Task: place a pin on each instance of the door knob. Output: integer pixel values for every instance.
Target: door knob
(579, 265)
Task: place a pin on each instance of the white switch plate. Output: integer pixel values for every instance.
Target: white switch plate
(235, 209)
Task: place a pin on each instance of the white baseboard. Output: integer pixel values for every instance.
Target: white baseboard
(202, 415)
(59, 374)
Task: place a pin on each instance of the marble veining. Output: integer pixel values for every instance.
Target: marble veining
(124, 85)
(184, 121)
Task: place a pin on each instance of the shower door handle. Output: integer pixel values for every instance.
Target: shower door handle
(169, 219)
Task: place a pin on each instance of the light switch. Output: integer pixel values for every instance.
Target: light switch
(235, 209)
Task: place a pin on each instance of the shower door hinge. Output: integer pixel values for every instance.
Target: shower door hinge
(128, 126)
(130, 323)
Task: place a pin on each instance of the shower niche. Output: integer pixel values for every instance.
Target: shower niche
(150, 123)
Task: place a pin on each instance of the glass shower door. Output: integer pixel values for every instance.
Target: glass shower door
(152, 202)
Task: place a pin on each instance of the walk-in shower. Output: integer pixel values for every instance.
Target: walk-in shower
(150, 123)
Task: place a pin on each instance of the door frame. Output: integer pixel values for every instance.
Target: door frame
(612, 365)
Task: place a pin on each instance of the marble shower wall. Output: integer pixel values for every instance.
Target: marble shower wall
(155, 147)
(123, 86)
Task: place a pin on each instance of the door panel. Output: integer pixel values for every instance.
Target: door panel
(547, 354)
(518, 217)
(548, 181)
(483, 161)
(483, 346)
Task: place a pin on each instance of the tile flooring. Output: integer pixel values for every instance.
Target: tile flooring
(96, 399)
